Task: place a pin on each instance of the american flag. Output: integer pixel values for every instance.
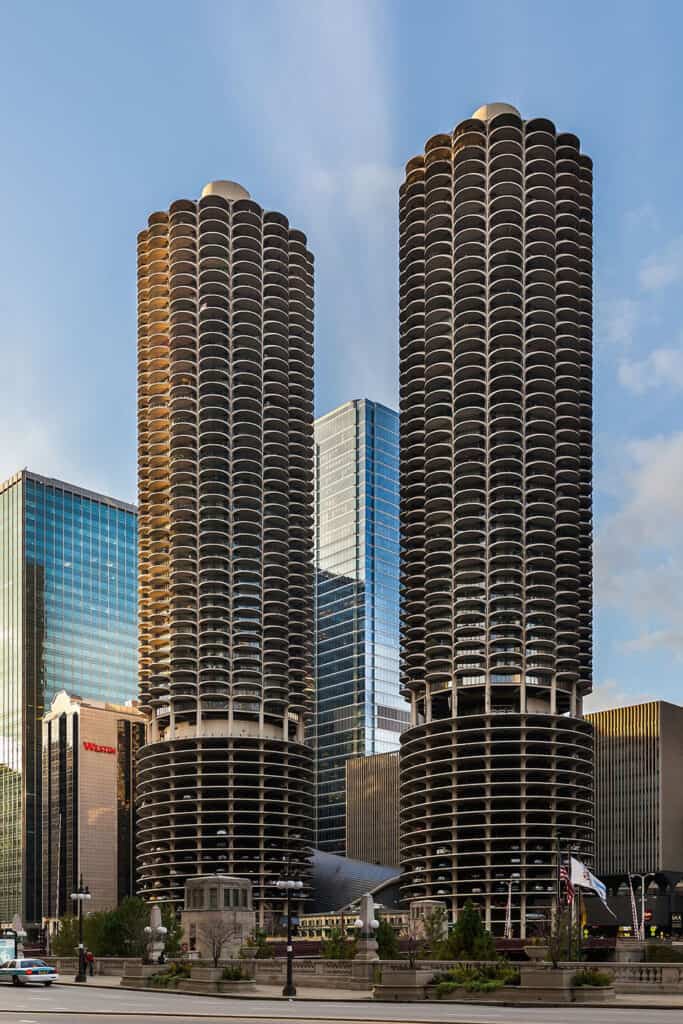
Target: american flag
(568, 887)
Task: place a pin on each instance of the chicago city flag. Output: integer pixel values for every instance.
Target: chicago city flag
(581, 875)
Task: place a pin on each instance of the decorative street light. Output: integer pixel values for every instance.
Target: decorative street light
(81, 895)
(367, 924)
(156, 936)
(289, 886)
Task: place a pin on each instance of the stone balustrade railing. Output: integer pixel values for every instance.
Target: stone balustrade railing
(350, 974)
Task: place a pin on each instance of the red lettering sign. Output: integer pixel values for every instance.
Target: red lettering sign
(98, 748)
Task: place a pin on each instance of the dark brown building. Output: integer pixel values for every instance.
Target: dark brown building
(638, 790)
(372, 809)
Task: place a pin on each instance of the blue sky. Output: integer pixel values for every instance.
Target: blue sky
(111, 111)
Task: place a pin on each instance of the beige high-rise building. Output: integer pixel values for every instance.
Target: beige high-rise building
(225, 406)
(638, 790)
(372, 809)
(88, 764)
(496, 481)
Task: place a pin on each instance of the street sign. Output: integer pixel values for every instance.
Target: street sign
(7, 948)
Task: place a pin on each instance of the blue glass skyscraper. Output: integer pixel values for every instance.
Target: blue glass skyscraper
(68, 621)
(358, 706)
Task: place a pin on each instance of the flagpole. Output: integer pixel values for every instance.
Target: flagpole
(558, 886)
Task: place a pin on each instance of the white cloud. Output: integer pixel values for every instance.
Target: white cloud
(315, 82)
(664, 268)
(611, 695)
(661, 368)
(31, 436)
(639, 549)
(643, 217)
(619, 319)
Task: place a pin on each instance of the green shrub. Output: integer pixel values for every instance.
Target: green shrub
(174, 973)
(234, 974)
(591, 977)
(387, 942)
(468, 939)
(657, 953)
(482, 978)
(338, 947)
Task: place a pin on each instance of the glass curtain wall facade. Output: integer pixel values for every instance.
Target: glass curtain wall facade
(68, 621)
(358, 706)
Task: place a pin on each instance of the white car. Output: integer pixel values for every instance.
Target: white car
(28, 972)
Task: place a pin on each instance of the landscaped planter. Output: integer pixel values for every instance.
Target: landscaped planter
(506, 994)
(544, 983)
(536, 952)
(241, 987)
(404, 986)
(202, 980)
(594, 994)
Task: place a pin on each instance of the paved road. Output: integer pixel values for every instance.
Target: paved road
(66, 1004)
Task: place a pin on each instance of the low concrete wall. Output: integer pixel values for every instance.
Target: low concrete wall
(112, 966)
(666, 979)
(317, 972)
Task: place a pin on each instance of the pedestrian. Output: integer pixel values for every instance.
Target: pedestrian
(90, 963)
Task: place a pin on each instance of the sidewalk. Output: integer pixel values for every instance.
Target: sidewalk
(257, 992)
(642, 1001)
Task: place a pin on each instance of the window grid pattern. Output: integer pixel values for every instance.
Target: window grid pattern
(359, 709)
(68, 593)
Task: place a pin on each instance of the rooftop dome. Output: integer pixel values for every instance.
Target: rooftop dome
(229, 190)
(490, 110)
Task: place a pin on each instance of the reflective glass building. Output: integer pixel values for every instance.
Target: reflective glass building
(358, 706)
(68, 621)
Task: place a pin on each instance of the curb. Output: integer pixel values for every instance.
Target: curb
(324, 1017)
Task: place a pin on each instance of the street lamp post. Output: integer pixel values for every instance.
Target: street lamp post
(643, 877)
(81, 895)
(367, 924)
(289, 886)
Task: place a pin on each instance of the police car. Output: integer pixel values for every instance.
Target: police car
(28, 972)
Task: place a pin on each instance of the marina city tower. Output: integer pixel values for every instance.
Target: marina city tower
(225, 389)
(496, 477)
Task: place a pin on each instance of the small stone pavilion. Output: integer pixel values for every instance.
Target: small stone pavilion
(217, 905)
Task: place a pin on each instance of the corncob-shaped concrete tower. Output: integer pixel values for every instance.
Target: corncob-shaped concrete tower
(496, 481)
(225, 390)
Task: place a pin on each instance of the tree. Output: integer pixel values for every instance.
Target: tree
(174, 929)
(119, 932)
(65, 941)
(435, 929)
(128, 926)
(215, 934)
(468, 939)
(337, 947)
(564, 938)
(414, 934)
(387, 941)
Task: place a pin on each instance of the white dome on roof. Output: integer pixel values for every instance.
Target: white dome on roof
(490, 110)
(229, 190)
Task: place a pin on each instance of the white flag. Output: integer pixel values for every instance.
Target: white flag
(581, 875)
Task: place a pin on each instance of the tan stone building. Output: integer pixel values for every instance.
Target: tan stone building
(89, 751)
(218, 916)
(638, 790)
(372, 809)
